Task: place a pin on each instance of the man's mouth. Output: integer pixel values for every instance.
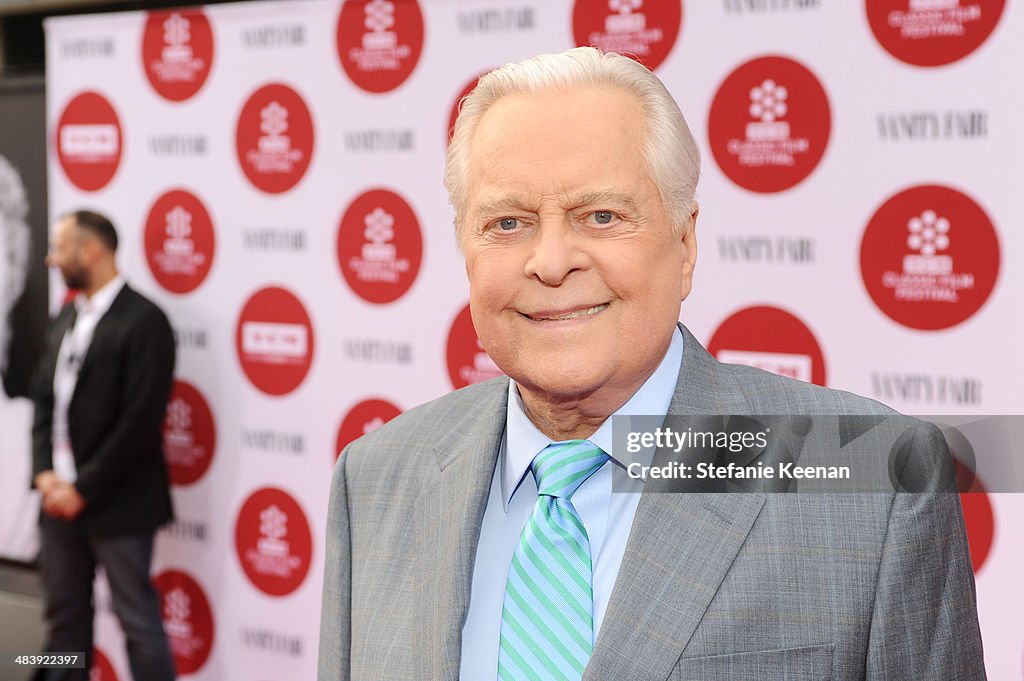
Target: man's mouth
(563, 316)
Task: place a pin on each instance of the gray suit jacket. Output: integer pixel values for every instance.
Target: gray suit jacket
(712, 586)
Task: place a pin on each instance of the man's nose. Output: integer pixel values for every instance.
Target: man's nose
(555, 252)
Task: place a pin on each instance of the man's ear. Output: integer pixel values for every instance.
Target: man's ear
(689, 239)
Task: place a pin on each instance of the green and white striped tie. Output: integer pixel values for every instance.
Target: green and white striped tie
(547, 622)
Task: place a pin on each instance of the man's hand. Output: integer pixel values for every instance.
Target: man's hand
(63, 501)
(46, 481)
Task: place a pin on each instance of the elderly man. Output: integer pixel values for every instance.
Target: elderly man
(478, 536)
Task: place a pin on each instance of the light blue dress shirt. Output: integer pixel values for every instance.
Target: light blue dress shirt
(607, 517)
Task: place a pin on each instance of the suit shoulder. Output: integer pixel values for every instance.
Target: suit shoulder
(430, 424)
(770, 393)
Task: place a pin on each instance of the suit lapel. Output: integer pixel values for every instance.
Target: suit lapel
(104, 327)
(680, 547)
(449, 515)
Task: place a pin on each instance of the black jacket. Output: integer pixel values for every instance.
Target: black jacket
(116, 415)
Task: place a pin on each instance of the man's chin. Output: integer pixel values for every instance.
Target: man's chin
(559, 385)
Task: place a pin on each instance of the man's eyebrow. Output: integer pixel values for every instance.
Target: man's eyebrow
(598, 198)
(492, 206)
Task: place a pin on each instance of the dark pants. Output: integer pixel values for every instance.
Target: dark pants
(69, 558)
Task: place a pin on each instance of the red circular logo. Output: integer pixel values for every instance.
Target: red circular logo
(365, 417)
(980, 522)
(101, 669)
(274, 340)
(177, 51)
(468, 362)
(453, 115)
(273, 541)
(179, 241)
(932, 32)
(274, 138)
(189, 434)
(379, 42)
(929, 257)
(645, 31)
(188, 619)
(769, 124)
(380, 246)
(89, 141)
(771, 339)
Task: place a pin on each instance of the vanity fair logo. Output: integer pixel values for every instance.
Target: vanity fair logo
(379, 42)
(179, 241)
(273, 541)
(187, 618)
(274, 138)
(645, 30)
(930, 257)
(88, 141)
(380, 246)
(468, 362)
(189, 434)
(274, 340)
(790, 349)
(363, 418)
(769, 124)
(932, 32)
(177, 52)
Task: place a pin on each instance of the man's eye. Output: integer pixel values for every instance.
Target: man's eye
(506, 224)
(603, 217)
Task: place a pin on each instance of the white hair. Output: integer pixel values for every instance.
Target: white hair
(672, 156)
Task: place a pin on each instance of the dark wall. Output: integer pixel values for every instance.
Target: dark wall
(23, 144)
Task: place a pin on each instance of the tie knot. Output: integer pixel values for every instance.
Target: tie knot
(563, 466)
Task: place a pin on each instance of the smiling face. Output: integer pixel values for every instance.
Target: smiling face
(576, 271)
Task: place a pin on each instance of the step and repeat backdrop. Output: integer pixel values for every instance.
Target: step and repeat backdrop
(275, 172)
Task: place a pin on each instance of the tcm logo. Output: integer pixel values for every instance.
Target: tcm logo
(380, 246)
(930, 257)
(274, 340)
(379, 42)
(89, 141)
(932, 32)
(769, 124)
(177, 52)
(790, 349)
(644, 31)
(274, 138)
(273, 541)
(275, 343)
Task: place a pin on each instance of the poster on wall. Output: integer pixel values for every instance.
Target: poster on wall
(23, 302)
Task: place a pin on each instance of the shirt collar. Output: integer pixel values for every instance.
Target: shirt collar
(100, 301)
(523, 441)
